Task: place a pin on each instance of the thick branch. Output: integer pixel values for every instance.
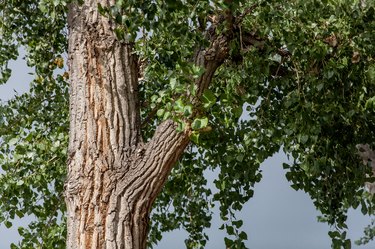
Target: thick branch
(218, 51)
(210, 59)
(137, 188)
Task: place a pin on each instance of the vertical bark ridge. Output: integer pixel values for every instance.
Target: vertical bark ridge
(104, 120)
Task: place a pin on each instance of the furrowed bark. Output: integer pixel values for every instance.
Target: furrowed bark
(113, 177)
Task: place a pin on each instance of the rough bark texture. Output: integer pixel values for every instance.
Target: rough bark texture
(113, 177)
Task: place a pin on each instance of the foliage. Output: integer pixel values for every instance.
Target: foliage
(33, 155)
(300, 77)
(34, 126)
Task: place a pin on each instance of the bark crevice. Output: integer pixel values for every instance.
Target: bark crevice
(113, 177)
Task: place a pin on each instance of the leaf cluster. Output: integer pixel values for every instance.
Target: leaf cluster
(34, 125)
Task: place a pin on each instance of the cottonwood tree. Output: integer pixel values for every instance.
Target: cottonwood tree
(161, 92)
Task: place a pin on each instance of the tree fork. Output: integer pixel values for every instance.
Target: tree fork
(113, 177)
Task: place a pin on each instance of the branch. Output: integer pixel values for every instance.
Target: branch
(154, 160)
(210, 59)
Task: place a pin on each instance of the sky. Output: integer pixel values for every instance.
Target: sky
(277, 217)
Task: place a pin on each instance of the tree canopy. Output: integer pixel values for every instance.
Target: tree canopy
(299, 77)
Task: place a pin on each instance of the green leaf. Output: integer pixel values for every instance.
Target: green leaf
(237, 111)
(120, 34)
(347, 244)
(199, 123)
(238, 223)
(230, 230)
(304, 138)
(8, 224)
(179, 105)
(334, 234)
(167, 114)
(13, 141)
(208, 99)
(195, 137)
(240, 157)
(197, 71)
(228, 242)
(364, 209)
(173, 83)
(188, 110)
(20, 214)
(160, 112)
(181, 126)
(243, 235)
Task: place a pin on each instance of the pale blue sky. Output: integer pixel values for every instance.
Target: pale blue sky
(277, 217)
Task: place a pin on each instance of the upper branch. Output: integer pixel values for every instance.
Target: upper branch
(213, 56)
(210, 59)
(218, 51)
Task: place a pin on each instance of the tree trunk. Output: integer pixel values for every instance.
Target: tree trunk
(113, 177)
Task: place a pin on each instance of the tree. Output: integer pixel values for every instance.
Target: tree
(158, 95)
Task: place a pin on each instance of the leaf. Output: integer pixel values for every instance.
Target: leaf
(238, 223)
(320, 86)
(199, 123)
(181, 126)
(304, 138)
(19, 213)
(286, 166)
(228, 242)
(166, 115)
(13, 141)
(188, 110)
(347, 244)
(237, 111)
(334, 234)
(195, 137)
(208, 99)
(243, 235)
(179, 105)
(173, 83)
(356, 57)
(160, 112)
(230, 230)
(8, 224)
(240, 157)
